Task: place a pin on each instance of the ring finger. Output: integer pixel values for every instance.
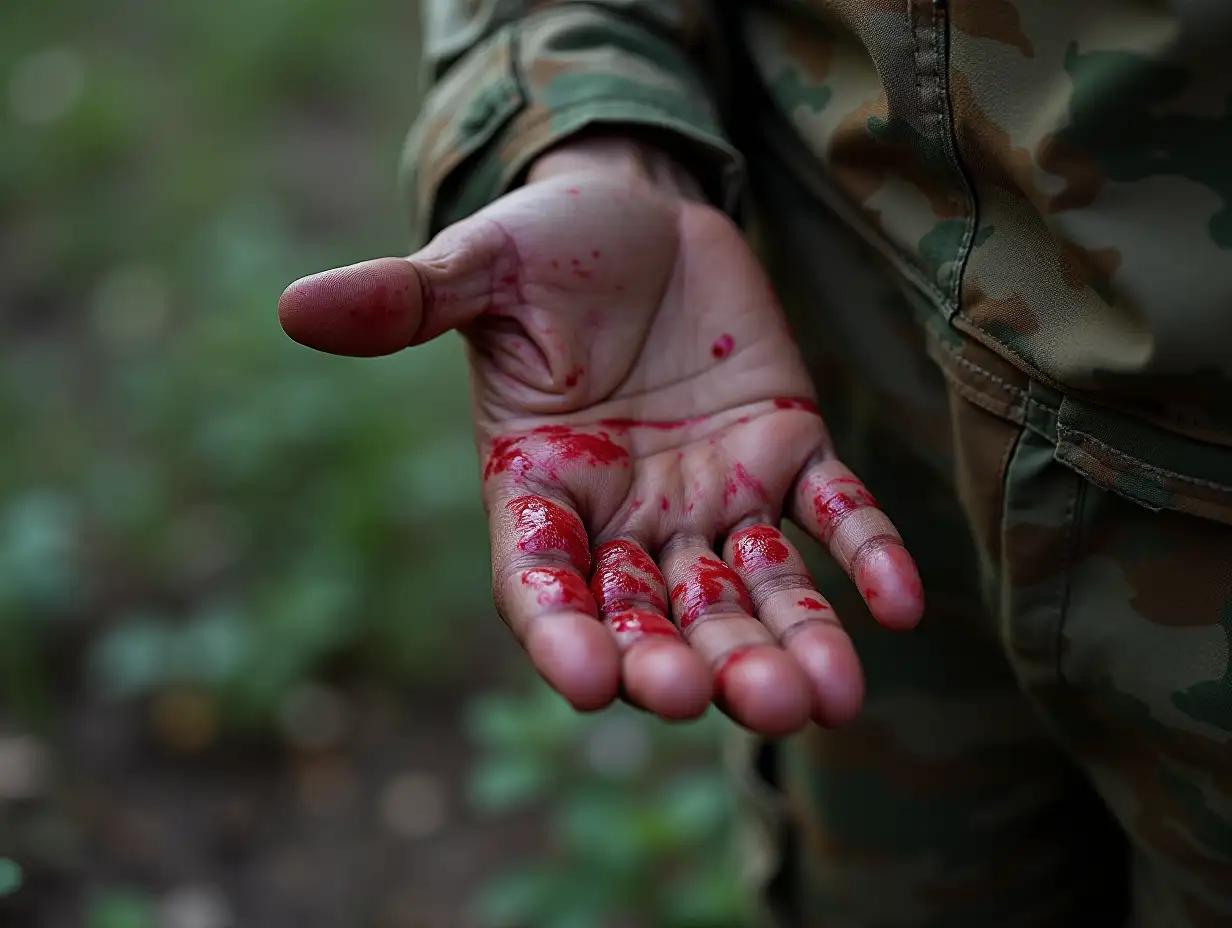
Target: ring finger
(757, 683)
(788, 604)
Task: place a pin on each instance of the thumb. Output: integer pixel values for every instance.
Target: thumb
(381, 306)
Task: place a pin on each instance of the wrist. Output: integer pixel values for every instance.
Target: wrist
(621, 156)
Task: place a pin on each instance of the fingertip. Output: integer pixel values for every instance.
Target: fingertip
(890, 584)
(362, 310)
(576, 655)
(668, 679)
(765, 690)
(826, 655)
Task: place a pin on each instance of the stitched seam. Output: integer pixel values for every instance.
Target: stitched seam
(1068, 559)
(1002, 409)
(1017, 392)
(1005, 625)
(1141, 465)
(946, 117)
(917, 57)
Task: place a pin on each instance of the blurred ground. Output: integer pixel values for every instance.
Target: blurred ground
(245, 624)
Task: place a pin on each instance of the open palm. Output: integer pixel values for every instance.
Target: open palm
(645, 421)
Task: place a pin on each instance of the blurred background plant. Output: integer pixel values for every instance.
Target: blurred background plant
(249, 672)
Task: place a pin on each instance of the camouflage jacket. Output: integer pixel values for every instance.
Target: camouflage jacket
(1053, 178)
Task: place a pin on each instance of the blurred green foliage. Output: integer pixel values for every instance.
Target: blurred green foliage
(232, 509)
(10, 876)
(642, 822)
(187, 499)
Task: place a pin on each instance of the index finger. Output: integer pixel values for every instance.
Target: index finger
(540, 561)
(834, 506)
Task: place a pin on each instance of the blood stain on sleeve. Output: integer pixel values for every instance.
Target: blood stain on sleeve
(722, 346)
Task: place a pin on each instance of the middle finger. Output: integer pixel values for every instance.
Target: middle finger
(758, 684)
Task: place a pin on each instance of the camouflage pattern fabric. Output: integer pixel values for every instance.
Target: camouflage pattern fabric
(1053, 744)
(1003, 232)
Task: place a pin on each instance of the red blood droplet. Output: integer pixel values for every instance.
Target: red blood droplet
(555, 263)
(706, 585)
(569, 444)
(549, 446)
(625, 576)
(621, 426)
(543, 527)
(813, 605)
(722, 346)
(884, 570)
(636, 623)
(595, 253)
(758, 547)
(506, 456)
(559, 588)
(379, 308)
(836, 500)
(741, 479)
(581, 272)
(509, 280)
(572, 378)
(572, 191)
(664, 504)
(729, 662)
(784, 402)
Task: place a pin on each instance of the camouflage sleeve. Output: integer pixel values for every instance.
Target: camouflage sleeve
(510, 78)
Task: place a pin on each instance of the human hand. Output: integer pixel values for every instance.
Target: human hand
(645, 421)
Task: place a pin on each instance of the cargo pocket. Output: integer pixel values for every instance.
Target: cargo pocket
(1153, 467)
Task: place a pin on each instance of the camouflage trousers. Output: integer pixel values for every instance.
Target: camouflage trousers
(1053, 744)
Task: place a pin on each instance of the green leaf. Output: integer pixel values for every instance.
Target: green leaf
(496, 720)
(119, 908)
(600, 825)
(11, 876)
(697, 806)
(713, 897)
(520, 897)
(131, 658)
(213, 646)
(506, 782)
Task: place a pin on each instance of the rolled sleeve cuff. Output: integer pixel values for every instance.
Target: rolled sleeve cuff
(535, 83)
